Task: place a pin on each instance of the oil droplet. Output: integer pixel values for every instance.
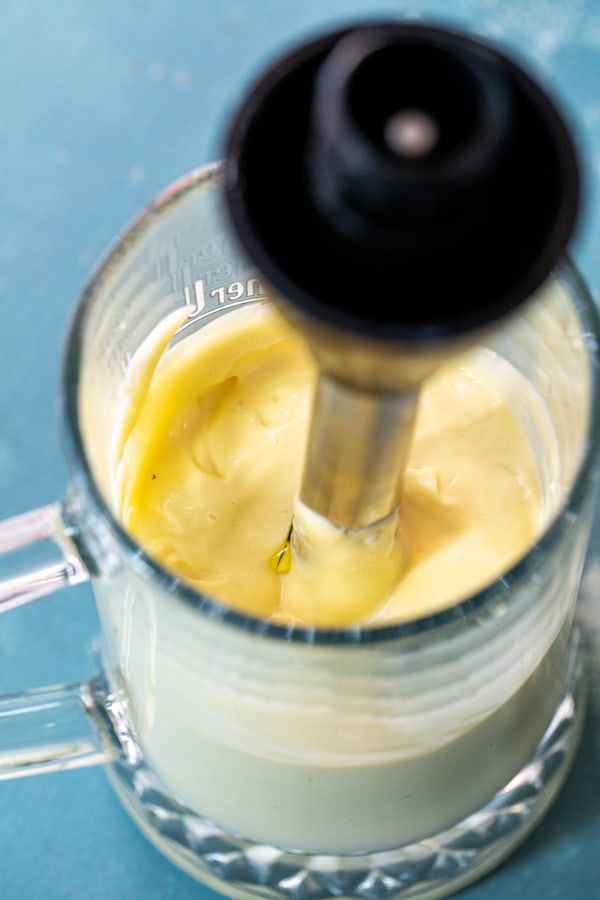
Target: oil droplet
(281, 560)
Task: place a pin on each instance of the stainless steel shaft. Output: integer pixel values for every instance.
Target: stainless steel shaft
(357, 449)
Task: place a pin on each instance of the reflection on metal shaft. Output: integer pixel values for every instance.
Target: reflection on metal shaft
(357, 450)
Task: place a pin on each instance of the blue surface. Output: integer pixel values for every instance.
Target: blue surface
(102, 105)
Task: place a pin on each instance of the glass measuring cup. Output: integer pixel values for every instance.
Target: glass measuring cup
(270, 762)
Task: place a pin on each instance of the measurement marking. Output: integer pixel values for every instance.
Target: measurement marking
(197, 297)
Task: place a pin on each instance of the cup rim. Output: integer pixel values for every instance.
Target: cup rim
(458, 614)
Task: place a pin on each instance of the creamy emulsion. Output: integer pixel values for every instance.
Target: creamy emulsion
(209, 461)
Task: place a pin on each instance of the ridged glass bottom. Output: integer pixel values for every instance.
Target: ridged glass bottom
(431, 868)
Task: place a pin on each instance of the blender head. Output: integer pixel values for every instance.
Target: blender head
(402, 188)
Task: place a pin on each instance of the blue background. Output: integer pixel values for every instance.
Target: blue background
(102, 105)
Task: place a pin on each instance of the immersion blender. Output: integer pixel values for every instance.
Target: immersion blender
(402, 188)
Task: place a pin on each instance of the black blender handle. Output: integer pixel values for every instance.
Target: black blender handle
(401, 181)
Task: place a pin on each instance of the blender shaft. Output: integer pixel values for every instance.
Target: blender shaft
(357, 450)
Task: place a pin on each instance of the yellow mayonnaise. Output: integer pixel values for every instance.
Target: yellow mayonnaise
(209, 459)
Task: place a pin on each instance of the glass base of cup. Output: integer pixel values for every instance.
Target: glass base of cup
(428, 869)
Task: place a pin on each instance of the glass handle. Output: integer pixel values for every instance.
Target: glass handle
(45, 524)
(64, 727)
